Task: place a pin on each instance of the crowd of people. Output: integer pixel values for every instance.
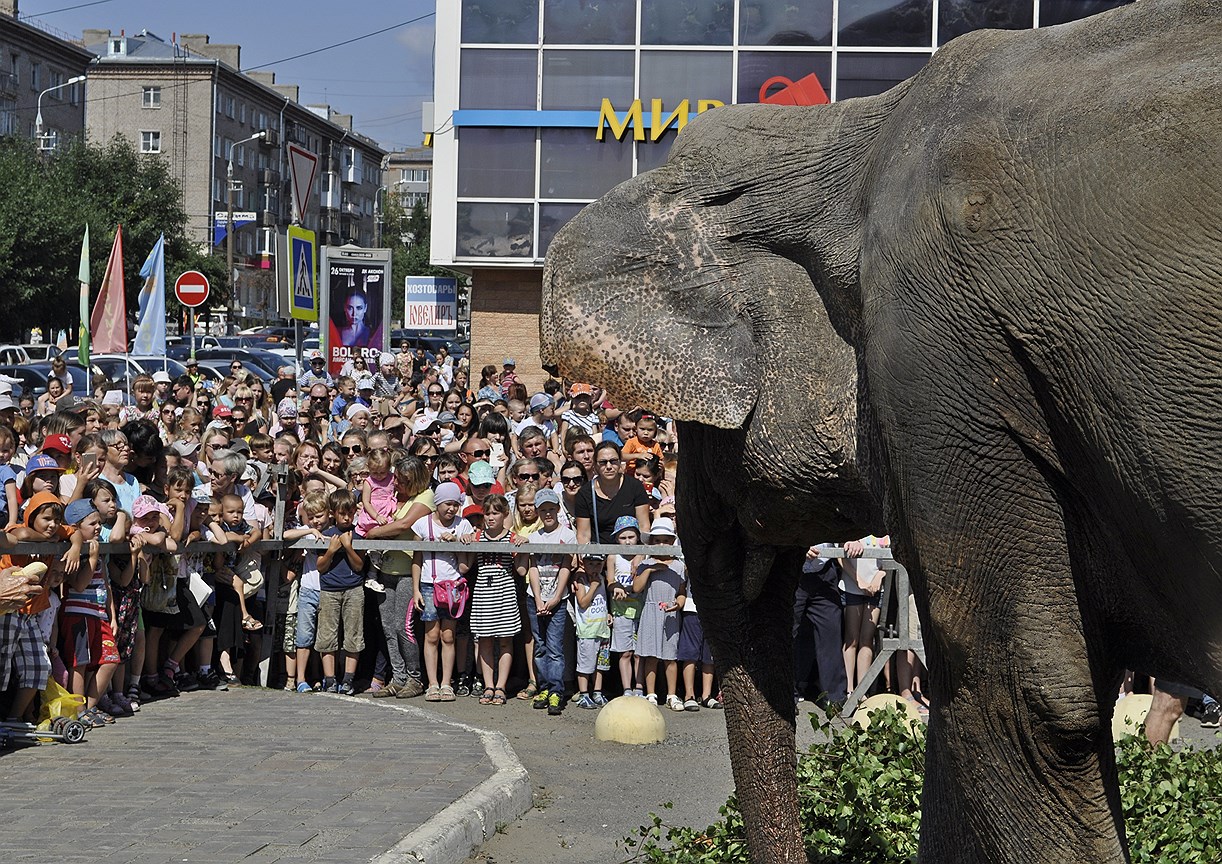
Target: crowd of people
(136, 609)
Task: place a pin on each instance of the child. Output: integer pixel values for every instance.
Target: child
(342, 596)
(8, 477)
(429, 568)
(665, 587)
(547, 588)
(378, 502)
(495, 617)
(526, 514)
(644, 444)
(693, 652)
(234, 569)
(87, 642)
(26, 653)
(593, 631)
(317, 520)
(41, 475)
(626, 605)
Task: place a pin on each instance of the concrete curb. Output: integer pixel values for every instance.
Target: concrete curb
(449, 837)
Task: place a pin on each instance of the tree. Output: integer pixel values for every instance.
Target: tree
(406, 233)
(48, 201)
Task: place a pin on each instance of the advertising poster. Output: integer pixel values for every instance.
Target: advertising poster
(356, 318)
(431, 304)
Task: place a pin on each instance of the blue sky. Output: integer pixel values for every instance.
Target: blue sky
(381, 80)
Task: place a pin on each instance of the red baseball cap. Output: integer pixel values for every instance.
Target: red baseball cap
(57, 444)
(221, 411)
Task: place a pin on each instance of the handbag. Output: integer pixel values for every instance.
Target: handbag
(449, 595)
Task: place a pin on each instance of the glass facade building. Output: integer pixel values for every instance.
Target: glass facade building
(541, 106)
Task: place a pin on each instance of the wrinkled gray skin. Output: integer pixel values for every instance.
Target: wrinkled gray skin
(982, 310)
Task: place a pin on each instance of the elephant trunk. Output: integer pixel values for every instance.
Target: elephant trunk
(752, 647)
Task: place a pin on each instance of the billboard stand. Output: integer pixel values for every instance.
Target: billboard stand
(354, 313)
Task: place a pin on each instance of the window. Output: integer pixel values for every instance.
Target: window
(8, 116)
(574, 164)
(757, 68)
(420, 175)
(74, 94)
(151, 97)
(229, 107)
(580, 80)
(673, 76)
(496, 163)
(226, 149)
(578, 22)
(498, 78)
(150, 142)
(14, 69)
(241, 157)
(695, 22)
(242, 114)
(495, 230)
(1062, 11)
(502, 22)
(56, 80)
(35, 76)
(871, 74)
(785, 22)
(898, 23)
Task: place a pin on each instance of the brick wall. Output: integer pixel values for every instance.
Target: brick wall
(505, 322)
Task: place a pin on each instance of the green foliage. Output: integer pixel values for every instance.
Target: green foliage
(860, 798)
(48, 201)
(407, 234)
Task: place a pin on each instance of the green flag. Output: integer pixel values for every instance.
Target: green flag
(82, 341)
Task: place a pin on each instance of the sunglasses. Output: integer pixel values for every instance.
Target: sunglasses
(235, 366)
(528, 476)
(436, 392)
(427, 458)
(574, 481)
(608, 461)
(480, 453)
(350, 450)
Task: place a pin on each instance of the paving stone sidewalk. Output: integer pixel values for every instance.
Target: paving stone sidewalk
(249, 775)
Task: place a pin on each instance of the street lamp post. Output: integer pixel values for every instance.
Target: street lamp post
(38, 120)
(233, 282)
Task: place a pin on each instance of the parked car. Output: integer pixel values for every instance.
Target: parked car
(32, 377)
(12, 355)
(430, 343)
(184, 342)
(42, 352)
(250, 357)
(220, 368)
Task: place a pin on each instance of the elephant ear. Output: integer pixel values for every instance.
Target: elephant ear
(643, 295)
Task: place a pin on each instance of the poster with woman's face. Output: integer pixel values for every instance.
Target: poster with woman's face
(356, 317)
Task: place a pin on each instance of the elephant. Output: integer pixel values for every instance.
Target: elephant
(983, 311)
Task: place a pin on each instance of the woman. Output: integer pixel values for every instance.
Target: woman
(572, 478)
(355, 332)
(244, 397)
(425, 449)
(202, 402)
(451, 401)
(214, 439)
(609, 496)
(466, 428)
(114, 468)
(331, 460)
(262, 406)
(462, 384)
(46, 402)
(167, 422)
(415, 500)
(494, 429)
(145, 451)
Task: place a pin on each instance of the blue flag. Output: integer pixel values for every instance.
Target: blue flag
(150, 320)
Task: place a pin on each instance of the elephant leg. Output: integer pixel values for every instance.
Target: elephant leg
(752, 645)
(1020, 761)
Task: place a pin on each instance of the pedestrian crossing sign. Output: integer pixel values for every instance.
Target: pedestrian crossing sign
(303, 274)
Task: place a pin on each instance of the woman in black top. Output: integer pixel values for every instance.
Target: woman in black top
(617, 495)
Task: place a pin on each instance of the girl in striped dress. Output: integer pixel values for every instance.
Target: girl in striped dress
(495, 618)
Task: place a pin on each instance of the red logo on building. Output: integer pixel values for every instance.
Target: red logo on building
(805, 91)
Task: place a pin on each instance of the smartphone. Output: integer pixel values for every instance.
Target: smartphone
(88, 460)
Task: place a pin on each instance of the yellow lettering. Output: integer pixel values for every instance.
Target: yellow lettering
(707, 104)
(678, 117)
(607, 116)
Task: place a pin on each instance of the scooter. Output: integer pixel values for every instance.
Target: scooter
(67, 730)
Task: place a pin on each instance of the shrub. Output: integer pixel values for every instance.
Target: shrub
(1172, 802)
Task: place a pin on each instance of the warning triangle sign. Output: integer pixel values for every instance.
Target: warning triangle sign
(304, 286)
(302, 167)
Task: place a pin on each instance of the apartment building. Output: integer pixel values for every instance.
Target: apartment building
(35, 61)
(187, 99)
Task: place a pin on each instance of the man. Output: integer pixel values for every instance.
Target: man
(475, 450)
(817, 620)
(183, 391)
(285, 383)
(509, 376)
(193, 371)
(1168, 703)
(316, 374)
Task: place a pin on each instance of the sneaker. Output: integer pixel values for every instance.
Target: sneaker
(409, 690)
(639, 692)
(652, 699)
(598, 698)
(674, 703)
(584, 701)
(691, 705)
(333, 687)
(375, 586)
(186, 682)
(1211, 715)
(540, 700)
(345, 689)
(304, 687)
(382, 691)
(554, 708)
(711, 702)
(133, 697)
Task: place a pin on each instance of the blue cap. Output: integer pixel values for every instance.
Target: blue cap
(546, 496)
(41, 462)
(76, 512)
(481, 473)
(623, 523)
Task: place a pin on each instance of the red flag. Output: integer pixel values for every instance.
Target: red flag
(109, 319)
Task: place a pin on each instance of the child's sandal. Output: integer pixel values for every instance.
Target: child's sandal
(486, 697)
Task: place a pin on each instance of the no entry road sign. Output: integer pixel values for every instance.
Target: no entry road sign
(191, 288)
